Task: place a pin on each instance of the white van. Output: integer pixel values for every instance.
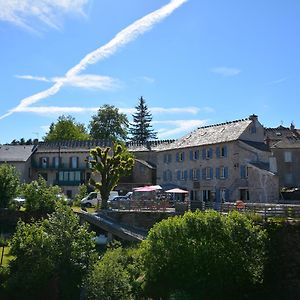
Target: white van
(91, 198)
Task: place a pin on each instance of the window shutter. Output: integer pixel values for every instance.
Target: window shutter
(185, 175)
(218, 198)
(191, 174)
(191, 154)
(211, 172)
(183, 156)
(178, 175)
(177, 156)
(204, 173)
(226, 195)
(197, 154)
(170, 175)
(217, 173)
(198, 174)
(218, 152)
(77, 162)
(226, 172)
(225, 151)
(210, 151)
(203, 153)
(70, 162)
(242, 171)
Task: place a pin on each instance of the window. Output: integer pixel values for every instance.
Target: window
(243, 171)
(223, 152)
(252, 129)
(167, 158)
(288, 178)
(244, 194)
(183, 175)
(287, 156)
(44, 162)
(74, 162)
(207, 173)
(208, 153)
(194, 154)
(223, 195)
(206, 195)
(56, 162)
(222, 173)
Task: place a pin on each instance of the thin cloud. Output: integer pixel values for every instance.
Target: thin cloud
(27, 13)
(125, 36)
(225, 71)
(159, 110)
(148, 79)
(77, 109)
(30, 77)
(86, 81)
(278, 81)
(176, 127)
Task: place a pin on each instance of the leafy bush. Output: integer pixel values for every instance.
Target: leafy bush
(9, 182)
(52, 256)
(40, 197)
(109, 278)
(82, 192)
(204, 255)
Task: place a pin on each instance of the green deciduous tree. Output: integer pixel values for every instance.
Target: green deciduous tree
(66, 128)
(9, 182)
(110, 167)
(204, 255)
(141, 129)
(40, 197)
(109, 124)
(109, 278)
(52, 257)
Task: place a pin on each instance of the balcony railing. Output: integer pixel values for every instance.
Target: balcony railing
(61, 166)
(68, 182)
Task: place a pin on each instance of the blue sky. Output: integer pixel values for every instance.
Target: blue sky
(196, 62)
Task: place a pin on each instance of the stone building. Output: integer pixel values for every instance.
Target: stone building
(222, 162)
(19, 156)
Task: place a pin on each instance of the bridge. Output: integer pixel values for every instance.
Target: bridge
(113, 228)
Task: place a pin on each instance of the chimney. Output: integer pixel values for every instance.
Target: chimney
(292, 127)
(253, 117)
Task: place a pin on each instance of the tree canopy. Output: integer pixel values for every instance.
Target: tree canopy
(40, 197)
(9, 182)
(66, 128)
(141, 128)
(205, 255)
(51, 257)
(111, 168)
(109, 124)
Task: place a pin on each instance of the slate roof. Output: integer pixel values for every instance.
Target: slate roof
(257, 145)
(261, 165)
(288, 143)
(212, 134)
(16, 153)
(148, 146)
(146, 163)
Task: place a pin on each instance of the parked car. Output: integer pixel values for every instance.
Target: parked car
(119, 202)
(92, 198)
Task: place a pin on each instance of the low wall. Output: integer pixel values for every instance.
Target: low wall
(140, 219)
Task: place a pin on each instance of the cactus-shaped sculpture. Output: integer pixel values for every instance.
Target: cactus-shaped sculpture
(111, 164)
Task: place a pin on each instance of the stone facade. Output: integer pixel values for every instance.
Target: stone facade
(214, 163)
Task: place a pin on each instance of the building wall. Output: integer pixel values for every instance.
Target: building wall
(288, 170)
(24, 169)
(213, 172)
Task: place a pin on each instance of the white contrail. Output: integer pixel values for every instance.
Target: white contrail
(121, 39)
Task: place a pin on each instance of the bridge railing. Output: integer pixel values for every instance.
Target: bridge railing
(138, 205)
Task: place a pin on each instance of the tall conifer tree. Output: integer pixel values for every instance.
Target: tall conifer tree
(141, 129)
